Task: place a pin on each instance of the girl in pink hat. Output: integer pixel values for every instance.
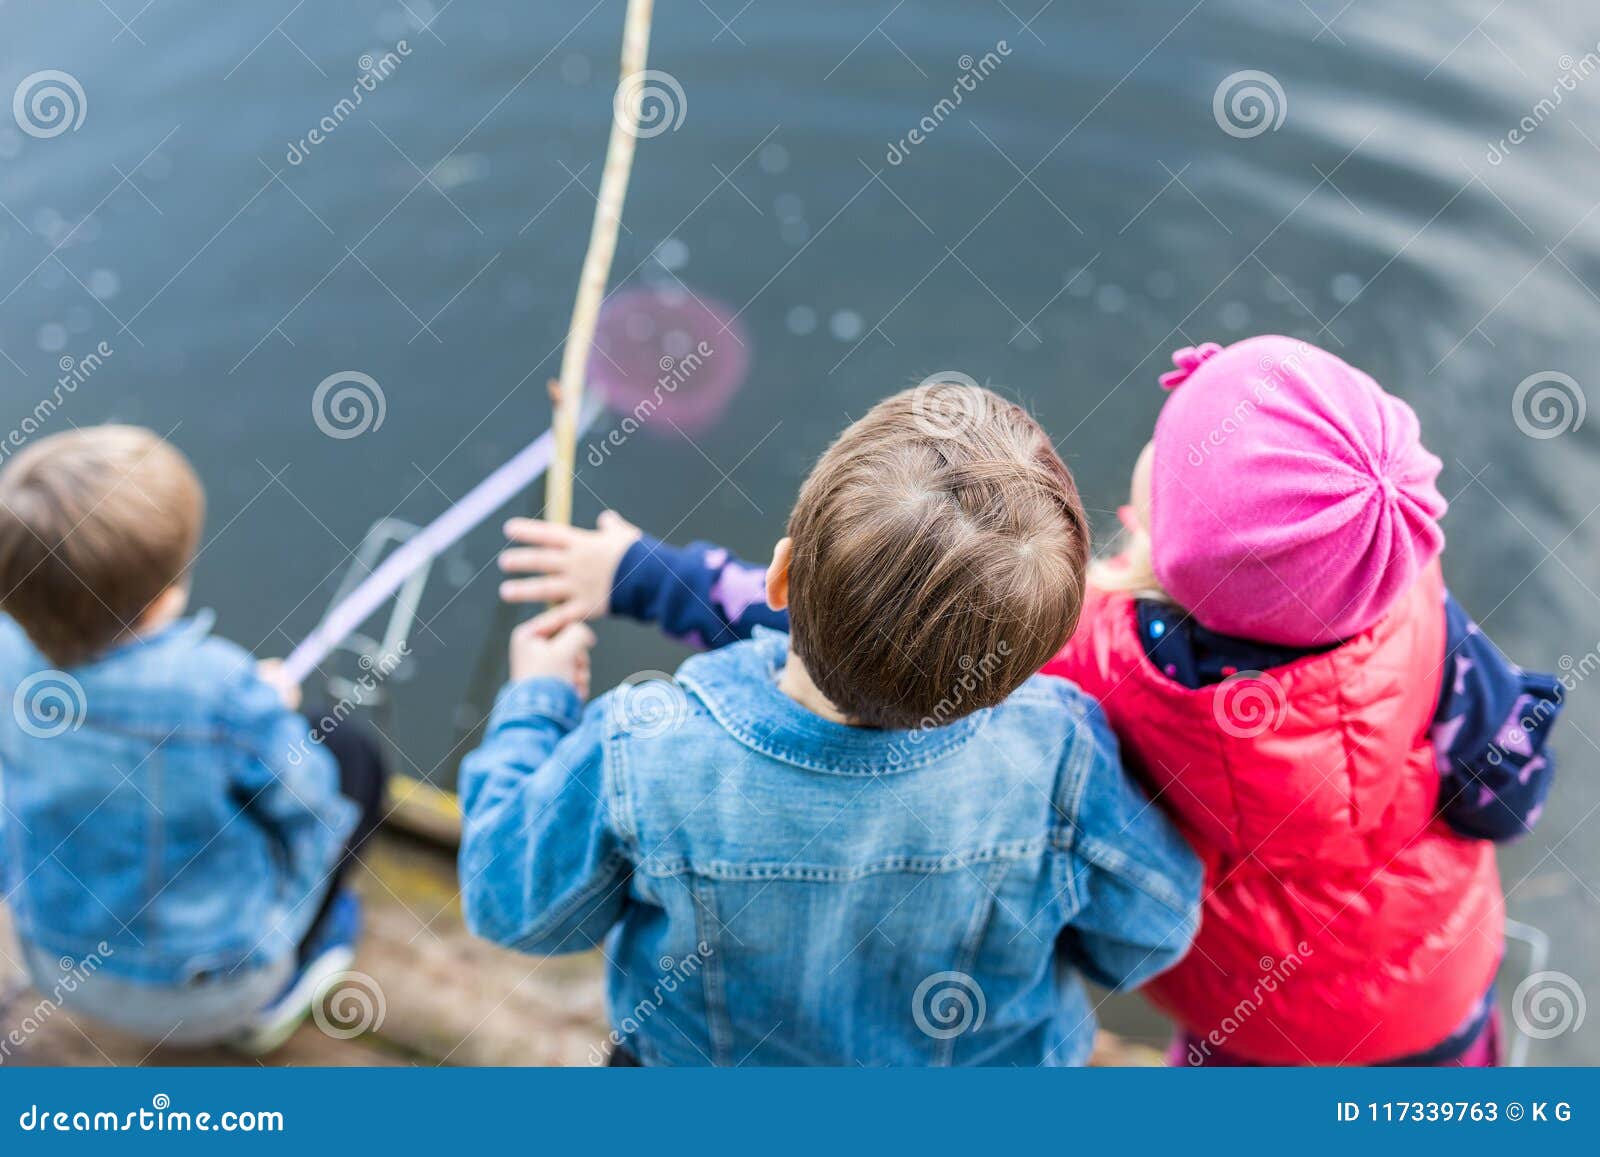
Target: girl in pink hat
(1279, 657)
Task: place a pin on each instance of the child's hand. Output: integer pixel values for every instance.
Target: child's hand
(564, 654)
(271, 673)
(576, 567)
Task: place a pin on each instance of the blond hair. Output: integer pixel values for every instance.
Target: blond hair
(939, 549)
(1129, 569)
(95, 524)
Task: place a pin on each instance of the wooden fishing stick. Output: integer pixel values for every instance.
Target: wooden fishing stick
(597, 261)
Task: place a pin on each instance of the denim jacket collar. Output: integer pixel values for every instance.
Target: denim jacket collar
(739, 686)
(190, 630)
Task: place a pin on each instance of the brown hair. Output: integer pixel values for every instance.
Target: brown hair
(94, 525)
(939, 549)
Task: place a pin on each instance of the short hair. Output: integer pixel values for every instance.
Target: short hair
(94, 525)
(938, 559)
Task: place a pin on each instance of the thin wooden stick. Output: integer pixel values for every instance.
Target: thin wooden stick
(597, 261)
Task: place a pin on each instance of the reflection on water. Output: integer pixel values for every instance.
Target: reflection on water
(1413, 189)
(666, 353)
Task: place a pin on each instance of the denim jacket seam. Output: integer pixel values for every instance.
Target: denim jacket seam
(719, 1027)
(614, 785)
(157, 735)
(1085, 757)
(1064, 874)
(967, 956)
(571, 902)
(156, 852)
(1014, 851)
(1071, 788)
(1146, 879)
(658, 868)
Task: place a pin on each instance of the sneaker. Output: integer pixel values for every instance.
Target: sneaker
(329, 950)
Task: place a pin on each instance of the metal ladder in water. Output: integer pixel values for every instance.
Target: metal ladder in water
(416, 806)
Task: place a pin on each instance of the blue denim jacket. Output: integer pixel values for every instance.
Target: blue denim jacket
(161, 800)
(776, 888)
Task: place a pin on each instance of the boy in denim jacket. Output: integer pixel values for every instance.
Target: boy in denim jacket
(881, 839)
(170, 824)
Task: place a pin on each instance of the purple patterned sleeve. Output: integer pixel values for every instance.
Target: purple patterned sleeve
(698, 594)
(1489, 734)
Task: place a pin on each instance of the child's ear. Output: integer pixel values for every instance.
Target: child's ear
(168, 605)
(778, 576)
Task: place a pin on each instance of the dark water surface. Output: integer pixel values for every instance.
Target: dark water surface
(1080, 213)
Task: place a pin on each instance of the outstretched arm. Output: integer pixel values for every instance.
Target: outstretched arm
(699, 594)
(287, 782)
(1490, 735)
(542, 868)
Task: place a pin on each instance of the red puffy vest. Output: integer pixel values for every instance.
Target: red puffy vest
(1344, 923)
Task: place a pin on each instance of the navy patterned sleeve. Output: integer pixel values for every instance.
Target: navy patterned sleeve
(1490, 734)
(698, 594)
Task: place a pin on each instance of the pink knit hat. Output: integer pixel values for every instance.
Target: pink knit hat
(1292, 500)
